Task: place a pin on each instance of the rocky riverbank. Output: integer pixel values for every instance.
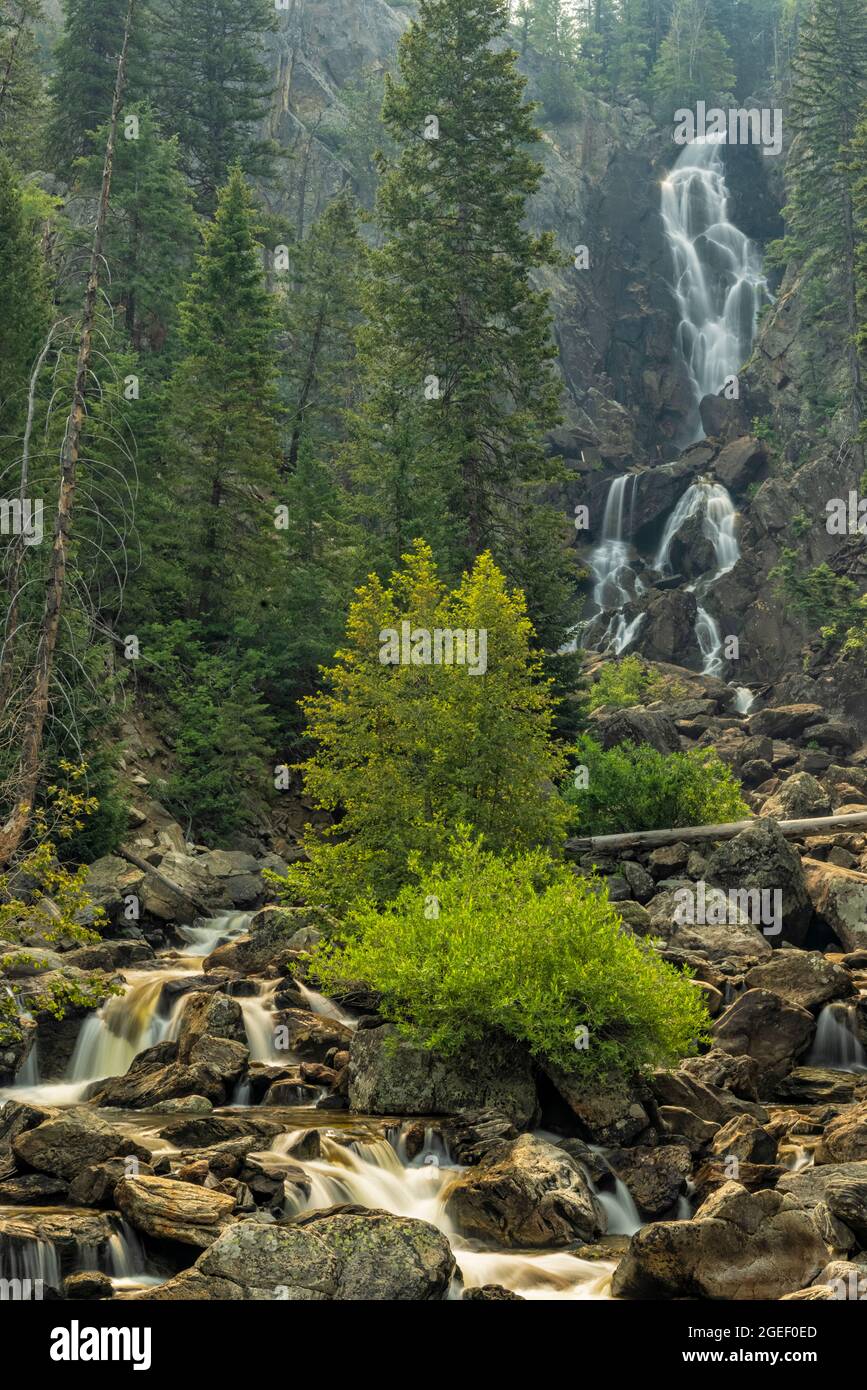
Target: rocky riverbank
(220, 1130)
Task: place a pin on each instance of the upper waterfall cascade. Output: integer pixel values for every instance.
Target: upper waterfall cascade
(718, 281)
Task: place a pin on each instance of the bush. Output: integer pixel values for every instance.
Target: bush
(405, 752)
(633, 787)
(518, 945)
(622, 684)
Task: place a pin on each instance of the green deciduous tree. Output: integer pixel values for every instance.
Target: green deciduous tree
(405, 751)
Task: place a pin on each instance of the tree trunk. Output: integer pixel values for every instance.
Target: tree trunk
(650, 839)
(28, 767)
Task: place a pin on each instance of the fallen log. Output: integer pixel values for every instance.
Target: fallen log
(143, 864)
(688, 834)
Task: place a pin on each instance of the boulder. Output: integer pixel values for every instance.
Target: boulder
(216, 1015)
(760, 858)
(171, 1210)
(635, 726)
(799, 798)
(746, 1140)
(805, 978)
(607, 1114)
(349, 1254)
(839, 897)
(525, 1194)
(739, 462)
(818, 1085)
(810, 1187)
(32, 1190)
(149, 1082)
(656, 1178)
(786, 721)
(390, 1077)
(738, 1074)
(67, 1142)
(739, 1245)
(109, 881)
(311, 1036)
(768, 1029)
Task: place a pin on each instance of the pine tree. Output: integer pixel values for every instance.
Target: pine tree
(151, 231)
(24, 306)
(212, 88)
(21, 94)
(82, 86)
(828, 90)
(321, 315)
(693, 63)
(223, 438)
(457, 349)
(552, 30)
(859, 193)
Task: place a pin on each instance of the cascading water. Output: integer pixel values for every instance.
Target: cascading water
(836, 1045)
(615, 583)
(713, 504)
(718, 280)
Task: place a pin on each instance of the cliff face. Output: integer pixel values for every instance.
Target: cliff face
(623, 394)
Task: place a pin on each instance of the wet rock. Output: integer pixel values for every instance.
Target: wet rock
(184, 1105)
(768, 1029)
(216, 1015)
(94, 1186)
(200, 1131)
(685, 1091)
(739, 462)
(227, 1060)
(655, 1177)
(110, 956)
(342, 1254)
(607, 1114)
(677, 1122)
(32, 1190)
(805, 978)
(404, 1080)
(668, 630)
(171, 1210)
(846, 1198)
(63, 1234)
(491, 1293)
(813, 1085)
(760, 858)
(149, 1082)
(67, 1142)
(746, 1140)
(311, 1036)
(739, 1245)
(845, 1139)
(811, 1186)
(88, 1287)
(525, 1194)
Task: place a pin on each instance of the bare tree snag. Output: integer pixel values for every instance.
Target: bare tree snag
(27, 779)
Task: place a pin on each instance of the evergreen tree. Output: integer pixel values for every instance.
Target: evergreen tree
(829, 88)
(21, 96)
(457, 349)
(151, 231)
(859, 151)
(223, 436)
(551, 28)
(354, 129)
(83, 83)
(693, 63)
(24, 306)
(212, 87)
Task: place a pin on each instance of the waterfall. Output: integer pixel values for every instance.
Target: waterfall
(718, 280)
(615, 583)
(712, 502)
(836, 1044)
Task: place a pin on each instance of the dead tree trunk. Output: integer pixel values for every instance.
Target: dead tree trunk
(27, 779)
(650, 839)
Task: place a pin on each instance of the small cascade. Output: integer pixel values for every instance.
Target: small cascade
(620, 1209)
(259, 1023)
(718, 280)
(114, 1036)
(744, 699)
(712, 503)
(615, 583)
(32, 1262)
(836, 1045)
(377, 1173)
(206, 936)
(326, 1008)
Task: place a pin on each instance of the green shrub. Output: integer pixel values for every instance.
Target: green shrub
(633, 787)
(829, 603)
(521, 946)
(622, 684)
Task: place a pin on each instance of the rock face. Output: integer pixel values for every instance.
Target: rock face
(739, 1245)
(342, 1254)
(761, 858)
(401, 1080)
(526, 1194)
(171, 1210)
(768, 1029)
